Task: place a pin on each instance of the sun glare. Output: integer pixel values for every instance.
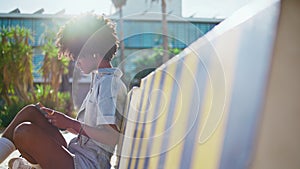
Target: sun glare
(80, 6)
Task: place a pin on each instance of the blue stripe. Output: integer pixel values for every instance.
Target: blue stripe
(136, 127)
(153, 127)
(196, 103)
(249, 89)
(170, 113)
(143, 127)
(123, 129)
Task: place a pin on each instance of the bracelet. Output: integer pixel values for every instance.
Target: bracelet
(79, 136)
(80, 130)
(79, 133)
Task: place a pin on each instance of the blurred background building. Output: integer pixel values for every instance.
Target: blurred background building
(142, 35)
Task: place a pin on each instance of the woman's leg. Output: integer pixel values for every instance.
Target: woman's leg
(32, 115)
(44, 149)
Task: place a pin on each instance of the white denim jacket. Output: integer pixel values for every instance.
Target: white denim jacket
(104, 103)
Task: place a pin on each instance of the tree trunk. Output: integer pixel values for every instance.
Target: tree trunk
(164, 31)
(122, 41)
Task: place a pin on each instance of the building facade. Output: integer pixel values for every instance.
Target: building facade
(142, 33)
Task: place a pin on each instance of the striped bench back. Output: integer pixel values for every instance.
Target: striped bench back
(204, 108)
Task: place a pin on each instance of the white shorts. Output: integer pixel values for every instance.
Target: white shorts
(89, 155)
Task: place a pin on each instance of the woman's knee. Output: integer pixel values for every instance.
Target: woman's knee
(23, 137)
(23, 133)
(29, 108)
(29, 111)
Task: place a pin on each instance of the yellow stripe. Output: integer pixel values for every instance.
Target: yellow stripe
(161, 121)
(130, 126)
(207, 152)
(122, 160)
(181, 115)
(141, 111)
(154, 94)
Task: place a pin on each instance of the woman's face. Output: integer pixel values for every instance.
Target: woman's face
(87, 64)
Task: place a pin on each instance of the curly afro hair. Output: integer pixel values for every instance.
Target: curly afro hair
(89, 34)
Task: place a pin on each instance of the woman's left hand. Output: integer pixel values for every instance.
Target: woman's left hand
(58, 119)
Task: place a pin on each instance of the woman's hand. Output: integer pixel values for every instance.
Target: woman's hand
(58, 119)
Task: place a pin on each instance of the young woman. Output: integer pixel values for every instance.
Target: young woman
(92, 41)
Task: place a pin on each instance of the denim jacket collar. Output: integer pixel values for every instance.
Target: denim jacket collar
(108, 71)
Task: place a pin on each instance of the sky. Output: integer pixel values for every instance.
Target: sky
(197, 8)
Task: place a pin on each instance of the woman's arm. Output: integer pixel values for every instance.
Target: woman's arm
(107, 134)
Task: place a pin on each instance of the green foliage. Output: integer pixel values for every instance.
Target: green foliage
(59, 101)
(52, 68)
(154, 59)
(145, 62)
(52, 71)
(15, 63)
(8, 112)
(16, 79)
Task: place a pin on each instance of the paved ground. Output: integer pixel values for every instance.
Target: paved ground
(68, 137)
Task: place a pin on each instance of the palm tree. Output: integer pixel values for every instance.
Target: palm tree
(118, 5)
(15, 64)
(164, 29)
(53, 69)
